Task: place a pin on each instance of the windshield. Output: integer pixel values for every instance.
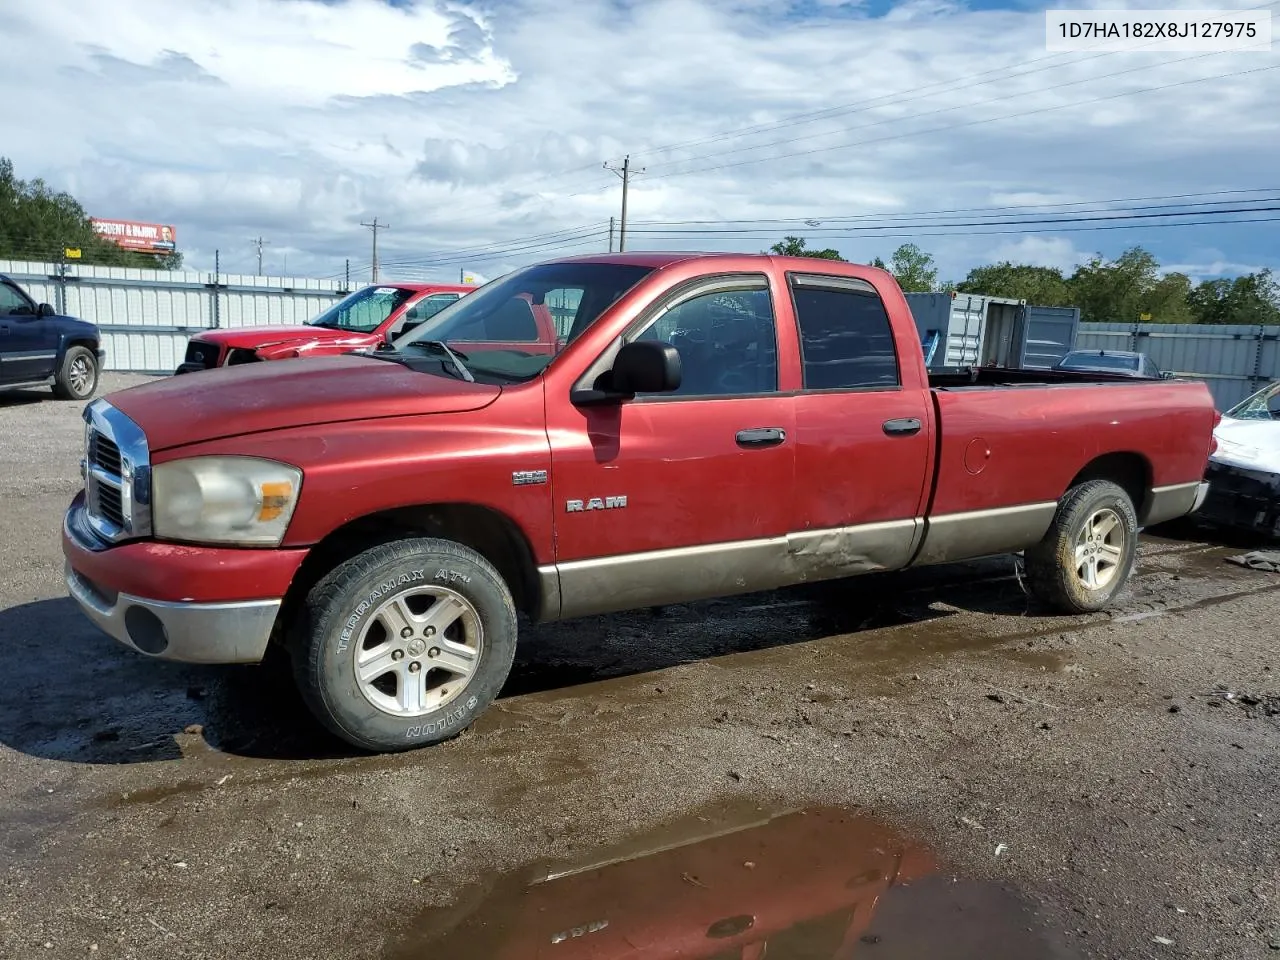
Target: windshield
(363, 311)
(1100, 361)
(511, 328)
(1263, 405)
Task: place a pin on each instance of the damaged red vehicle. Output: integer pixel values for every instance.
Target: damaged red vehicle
(708, 425)
(361, 321)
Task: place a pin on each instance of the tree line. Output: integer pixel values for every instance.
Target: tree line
(1129, 289)
(40, 223)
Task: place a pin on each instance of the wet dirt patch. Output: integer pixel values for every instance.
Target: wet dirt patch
(743, 881)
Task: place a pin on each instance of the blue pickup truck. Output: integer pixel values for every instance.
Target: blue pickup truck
(40, 348)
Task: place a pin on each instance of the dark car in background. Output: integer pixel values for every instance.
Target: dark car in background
(38, 347)
(1122, 362)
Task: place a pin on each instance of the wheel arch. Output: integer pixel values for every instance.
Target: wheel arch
(488, 531)
(1126, 469)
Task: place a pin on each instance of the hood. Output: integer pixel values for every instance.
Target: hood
(251, 338)
(255, 397)
(1252, 444)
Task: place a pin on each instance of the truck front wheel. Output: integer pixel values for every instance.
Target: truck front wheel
(1087, 555)
(405, 644)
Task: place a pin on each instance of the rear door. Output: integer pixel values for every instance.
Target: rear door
(863, 443)
(680, 495)
(28, 342)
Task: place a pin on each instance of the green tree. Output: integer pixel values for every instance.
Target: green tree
(912, 268)
(38, 223)
(1044, 286)
(1252, 298)
(1124, 289)
(795, 247)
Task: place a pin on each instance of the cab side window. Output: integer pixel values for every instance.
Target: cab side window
(13, 303)
(428, 307)
(846, 339)
(727, 341)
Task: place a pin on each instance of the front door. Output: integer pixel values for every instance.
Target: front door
(673, 497)
(28, 343)
(863, 441)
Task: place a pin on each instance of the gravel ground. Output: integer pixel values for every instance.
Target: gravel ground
(1106, 784)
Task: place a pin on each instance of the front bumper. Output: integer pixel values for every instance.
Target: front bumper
(234, 632)
(177, 602)
(1241, 498)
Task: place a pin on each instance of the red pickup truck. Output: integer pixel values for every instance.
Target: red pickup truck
(362, 320)
(711, 424)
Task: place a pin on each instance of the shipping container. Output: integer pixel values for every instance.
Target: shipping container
(966, 329)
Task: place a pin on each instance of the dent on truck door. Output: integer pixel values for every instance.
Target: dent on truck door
(862, 440)
(673, 497)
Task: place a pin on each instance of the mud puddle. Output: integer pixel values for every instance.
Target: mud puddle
(741, 883)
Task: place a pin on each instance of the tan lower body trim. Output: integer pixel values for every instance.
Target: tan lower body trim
(1171, 502)
(984, 533)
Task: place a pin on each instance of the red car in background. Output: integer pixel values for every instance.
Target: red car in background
(363, 320)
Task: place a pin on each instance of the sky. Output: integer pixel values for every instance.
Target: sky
(480, 131)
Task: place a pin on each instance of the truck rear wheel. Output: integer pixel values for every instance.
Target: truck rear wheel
(1086, 557)
(405, 644)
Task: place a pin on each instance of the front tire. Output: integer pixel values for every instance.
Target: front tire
(77, 377)
(1086, 557)
(405, 644)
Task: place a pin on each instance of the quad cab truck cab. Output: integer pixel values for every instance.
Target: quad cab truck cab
(710, 424)
(363, 320)
(39, 348)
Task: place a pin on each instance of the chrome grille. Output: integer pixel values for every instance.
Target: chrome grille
(117, 474)
(104, 453)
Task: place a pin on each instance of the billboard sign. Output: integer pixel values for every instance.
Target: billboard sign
(132, 235)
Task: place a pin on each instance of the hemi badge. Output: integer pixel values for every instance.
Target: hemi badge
(522, 477)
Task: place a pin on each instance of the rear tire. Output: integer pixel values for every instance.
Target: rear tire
(1086, 557)
(405, 644)
(77, 377)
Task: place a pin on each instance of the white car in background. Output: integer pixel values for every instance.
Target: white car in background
(1244, 470)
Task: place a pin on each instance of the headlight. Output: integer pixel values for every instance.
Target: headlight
(240, 500)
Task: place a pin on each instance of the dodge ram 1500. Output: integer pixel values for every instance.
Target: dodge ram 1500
(708, 425)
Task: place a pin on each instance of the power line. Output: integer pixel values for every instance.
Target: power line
(947, 85)
(967, 123)
(828, 231)
(823, 218)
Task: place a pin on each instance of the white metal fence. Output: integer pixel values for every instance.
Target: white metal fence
(1234, 361)
(146, 316)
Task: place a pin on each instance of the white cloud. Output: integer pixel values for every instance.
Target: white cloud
(468, 126)
(1058, 252)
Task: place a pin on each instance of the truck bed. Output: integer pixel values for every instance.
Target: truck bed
(956, 378)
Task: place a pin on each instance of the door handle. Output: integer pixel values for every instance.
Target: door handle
(903, 426)
(761, 437)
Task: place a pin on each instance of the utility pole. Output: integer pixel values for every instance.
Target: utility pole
(259, 243)
(626, 173)
(375, 227)
(611, 220)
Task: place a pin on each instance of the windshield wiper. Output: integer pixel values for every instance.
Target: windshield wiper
(441, 347)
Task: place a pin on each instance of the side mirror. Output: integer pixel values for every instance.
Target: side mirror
(646, 366)
(46, 310)
(1166, 375)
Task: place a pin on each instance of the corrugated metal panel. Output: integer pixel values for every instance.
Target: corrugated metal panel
(146, 315)
(1048, 335)
(966, 331)
(137, 352)
(1234, 361)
